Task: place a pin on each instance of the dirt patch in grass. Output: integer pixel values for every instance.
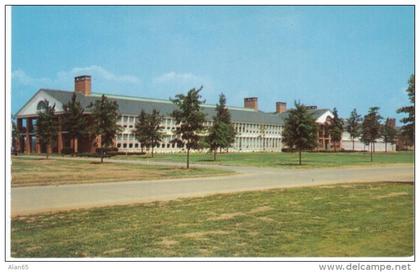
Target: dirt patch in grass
(266, 219)
(113, 251)
(168, 243)
(225, 216)
(202, 234)
(260, 209)
(394, 194)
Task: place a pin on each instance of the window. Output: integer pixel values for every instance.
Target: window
(42, 105)
(125, 119)
(125, 145)
(118, 145)
(130, 145)
(168, 145)
(136, 145)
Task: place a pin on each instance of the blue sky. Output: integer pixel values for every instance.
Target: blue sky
(344, 57)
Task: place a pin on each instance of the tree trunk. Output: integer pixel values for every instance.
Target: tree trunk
(335, 147)
(152, 150)
(353, 143)
(386, 149)
(48, 150)
(188, 158)
(214, 155)
(74, 146)
(102, 155)
(371, 152)
(300, 157)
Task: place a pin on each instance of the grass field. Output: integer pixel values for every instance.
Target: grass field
(336, 220)
(283, 159)
(39, 171)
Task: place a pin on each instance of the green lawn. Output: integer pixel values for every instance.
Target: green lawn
(335, 220)
(283, 159)
(40, 171)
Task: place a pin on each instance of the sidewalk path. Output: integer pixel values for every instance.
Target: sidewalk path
(36, 199)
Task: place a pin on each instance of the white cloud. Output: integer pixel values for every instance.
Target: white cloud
(179, 77)
(21, 77)
(167, 84)
(99, 72)
(65, 78)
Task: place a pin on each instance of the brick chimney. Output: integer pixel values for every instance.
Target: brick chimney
(82, 84)
(281, 107)
(390, 122)
(251, 103)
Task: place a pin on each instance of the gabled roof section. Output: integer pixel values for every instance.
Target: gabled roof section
(30, 107)
(316, 113)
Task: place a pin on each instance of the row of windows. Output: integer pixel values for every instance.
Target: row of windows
(138, 145)
(169, 124)
(246, 142)
(256, 128)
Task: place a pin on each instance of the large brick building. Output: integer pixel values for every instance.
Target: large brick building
(256, 130)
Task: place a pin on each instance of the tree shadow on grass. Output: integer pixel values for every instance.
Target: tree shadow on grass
(99, 163)
(208, 160)
(291, 164)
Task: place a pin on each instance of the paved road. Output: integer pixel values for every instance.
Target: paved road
(29, 200)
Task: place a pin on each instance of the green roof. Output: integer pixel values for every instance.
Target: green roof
(133, 105)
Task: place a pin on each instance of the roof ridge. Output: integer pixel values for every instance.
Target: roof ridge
(139, 98)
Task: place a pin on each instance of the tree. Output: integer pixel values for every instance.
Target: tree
(263, 131)
(371, 128)
(105, 115)
(189, 119)
(336, 128)
(148, 129)
(408, 129)
(222, 133)
(141, 127)
(74, 121)
(15, 136)
(353, 125)
(300, 130)
(389, 132)
(46, 126)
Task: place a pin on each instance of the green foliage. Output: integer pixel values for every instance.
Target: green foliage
(148, 129)
(189, 119)
(353, 126)
(222, 133)
(105, 115)
(408, 129)
(46, 125)
(371, 128)
(74, 121)
(15, 136)
(300, 130)
(336, 128)
(389, 132)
